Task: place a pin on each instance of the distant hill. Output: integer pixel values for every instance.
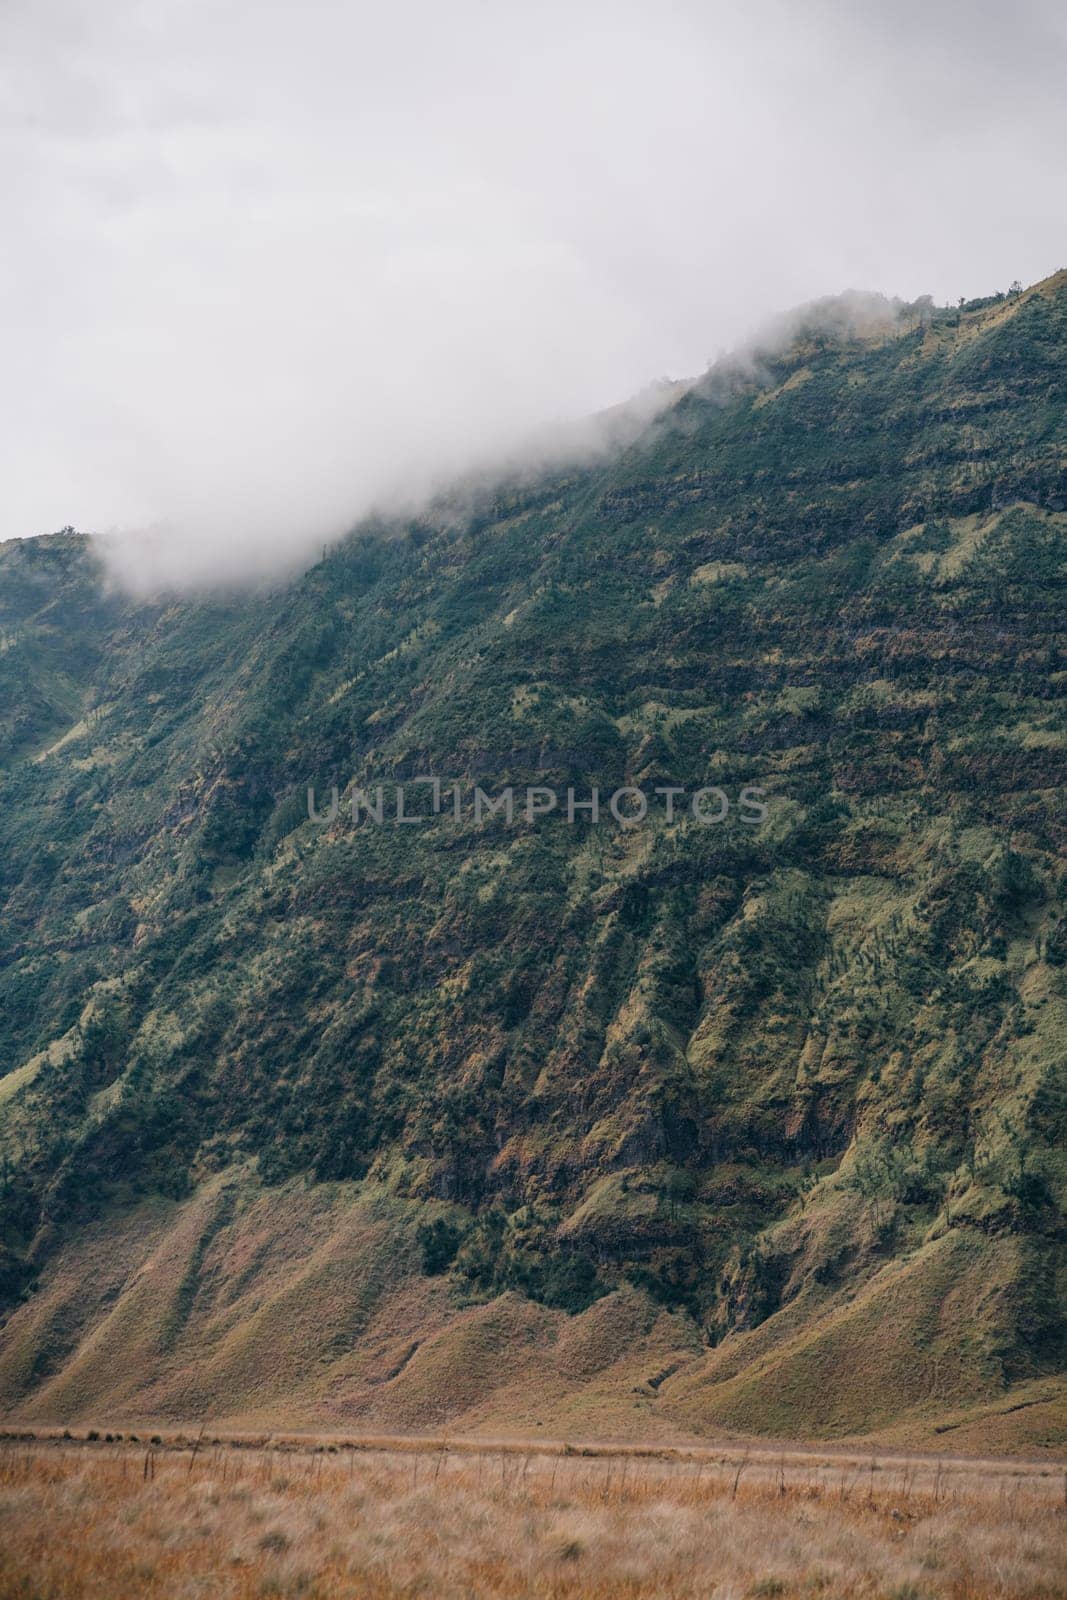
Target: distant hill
(673, 1129)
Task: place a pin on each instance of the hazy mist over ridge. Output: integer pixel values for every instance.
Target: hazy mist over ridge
(268, 267)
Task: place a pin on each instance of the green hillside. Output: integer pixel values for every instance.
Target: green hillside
(621, 1130)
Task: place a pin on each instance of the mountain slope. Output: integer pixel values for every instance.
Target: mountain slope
(671, 1127)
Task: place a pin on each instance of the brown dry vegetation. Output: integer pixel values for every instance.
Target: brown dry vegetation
(304, 1311)
(126, 1520)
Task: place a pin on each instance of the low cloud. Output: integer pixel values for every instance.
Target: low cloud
(445, 485)
(268, 267)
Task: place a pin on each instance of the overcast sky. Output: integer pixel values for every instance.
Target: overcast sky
(261, 262)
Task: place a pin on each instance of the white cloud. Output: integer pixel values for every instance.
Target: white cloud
(265, 263)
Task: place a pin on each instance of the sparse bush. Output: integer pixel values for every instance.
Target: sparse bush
(274, 1542)
(438, 1240)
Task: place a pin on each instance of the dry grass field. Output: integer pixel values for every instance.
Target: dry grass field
(124, 1519)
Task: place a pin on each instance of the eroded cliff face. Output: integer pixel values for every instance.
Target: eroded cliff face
(782, 1100)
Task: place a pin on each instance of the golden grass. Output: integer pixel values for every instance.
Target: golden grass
(124, 1521)
(303, 1309)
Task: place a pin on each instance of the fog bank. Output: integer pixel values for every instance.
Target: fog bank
(267, 267)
